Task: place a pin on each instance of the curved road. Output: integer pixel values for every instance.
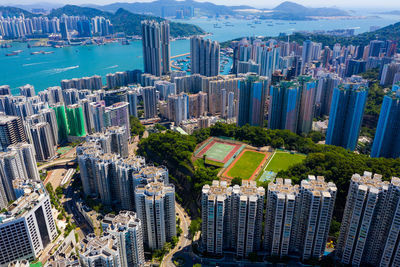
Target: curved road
(183, 242)
(55, 162)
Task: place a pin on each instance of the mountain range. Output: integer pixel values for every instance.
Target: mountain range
(286, 10)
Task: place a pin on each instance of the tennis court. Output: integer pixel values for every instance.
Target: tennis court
(218, 151)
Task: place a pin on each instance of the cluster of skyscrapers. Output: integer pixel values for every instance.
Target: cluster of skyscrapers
(297, 217)
(117, 178)
(17, 26)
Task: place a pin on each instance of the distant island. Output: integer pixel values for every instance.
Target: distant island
(122, 20)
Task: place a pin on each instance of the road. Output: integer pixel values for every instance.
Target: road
(184, 242)
(55, 162)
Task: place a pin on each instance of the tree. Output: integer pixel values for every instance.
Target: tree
(236, 181)
(195, 226)
(136, 127)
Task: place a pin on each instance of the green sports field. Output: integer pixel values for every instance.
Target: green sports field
(246, 165)
(219, 151)
(283, 160)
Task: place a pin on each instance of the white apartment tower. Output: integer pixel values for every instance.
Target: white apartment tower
(28, 226)
(369, 233)
(246, 217)
(280, 217)
(155, 207)
(127, 229)
(232, 217)
(215, 213)
(299, 217)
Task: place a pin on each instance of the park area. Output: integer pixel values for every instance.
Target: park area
(280, 161)
(246, 165)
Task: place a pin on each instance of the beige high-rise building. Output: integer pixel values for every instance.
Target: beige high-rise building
(127, 229)
(232, 217)
(369, 233)
(155, 207)
(298, 217)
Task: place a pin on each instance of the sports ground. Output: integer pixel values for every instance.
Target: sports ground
(246, 165)
(217, 150)
(280, 161)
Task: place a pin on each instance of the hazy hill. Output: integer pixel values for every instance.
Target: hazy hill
(290, 10)
(155, 8)
(9, 11)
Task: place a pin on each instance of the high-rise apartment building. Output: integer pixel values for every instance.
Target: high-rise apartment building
(150, 102)
(345, 117)
(204, 55)
(283, 108)
(76, 120)
(155, 207)
(99, 251)
(118, 115)
(27, 90)
(387, 140)
(133, 102)
(232, 217)
(369, 229)
(11, 131)
(178, 108)
(127, 229)
(252, 93)
(307, 104)
(62, 123)
(27, 227)
(156, 48)
(247, 214)
(298, 217)
(42, 140)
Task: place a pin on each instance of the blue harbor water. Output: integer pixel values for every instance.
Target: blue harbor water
(44, 70)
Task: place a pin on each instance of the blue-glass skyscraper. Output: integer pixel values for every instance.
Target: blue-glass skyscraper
(387, 138)
(345, 117)
(252, 100)
(284, 106)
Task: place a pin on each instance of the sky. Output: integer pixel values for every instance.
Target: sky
(382, 4)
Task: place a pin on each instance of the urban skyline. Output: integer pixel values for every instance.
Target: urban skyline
(291, 157)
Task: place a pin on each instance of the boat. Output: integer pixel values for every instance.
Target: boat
(292, 22)
(48, 52)
(12, 54)
(252, 26)
(35, 53)
(217, 26)
(257, 22)
(279, 23)
(270, 25)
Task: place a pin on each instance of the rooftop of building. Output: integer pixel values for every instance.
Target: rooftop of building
(4, 119)
(217, 188)
(283, 186)
(318, 185)
(121, 221)
(94, 246)
(34, 192)
(370, 180)
(155, 189)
